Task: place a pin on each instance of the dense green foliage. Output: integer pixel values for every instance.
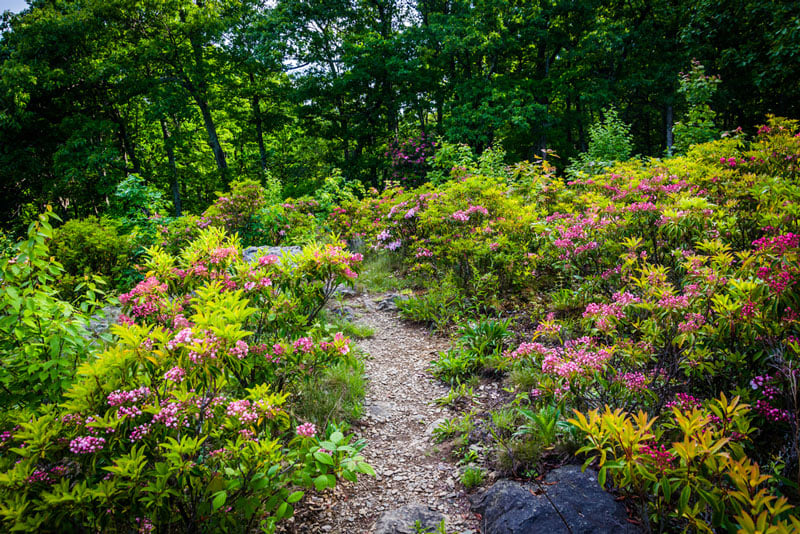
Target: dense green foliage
(583, 192)
(185, 415)
(191, 95)
(662, 299)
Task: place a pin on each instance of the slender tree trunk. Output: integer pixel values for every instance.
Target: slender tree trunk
(256, 103)
(198, 88)
(128, 149)
(669, 130)
(173, 169)
(211, 130)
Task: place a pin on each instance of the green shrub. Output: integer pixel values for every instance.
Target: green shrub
(43, 338)
(609, 141)
(184, 423)
(93, 247)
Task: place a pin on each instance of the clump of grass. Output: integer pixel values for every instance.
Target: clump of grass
(460, 426)
(337, 394)
(505, 420)
(524, 377)
(472, 477)
(377, 274)
(459, 395)
(336, 323)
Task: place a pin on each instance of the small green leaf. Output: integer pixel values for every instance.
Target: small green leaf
(365, 468)
(219, 500)
(323, 457)
(294, 497)
(321, 482)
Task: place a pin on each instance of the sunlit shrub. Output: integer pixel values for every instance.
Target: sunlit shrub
(185, 423)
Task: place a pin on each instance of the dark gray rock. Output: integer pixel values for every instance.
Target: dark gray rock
(510, 507)
(251, 253)
(403, 520)
(389, 302)
(101, 322)
(345, 291)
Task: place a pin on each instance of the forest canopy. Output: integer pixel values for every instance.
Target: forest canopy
(189, 95)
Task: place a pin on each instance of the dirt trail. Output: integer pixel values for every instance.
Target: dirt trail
(399, 416)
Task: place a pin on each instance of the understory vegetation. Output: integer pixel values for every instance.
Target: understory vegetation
(641, 316)
(653, 303)
(191, 191)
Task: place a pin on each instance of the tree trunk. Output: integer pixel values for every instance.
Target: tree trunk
(128, 149)
(173, 169)
(256, 103)
(669, 131)
(211, 130)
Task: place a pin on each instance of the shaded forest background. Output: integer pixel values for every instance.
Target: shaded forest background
(190, 95)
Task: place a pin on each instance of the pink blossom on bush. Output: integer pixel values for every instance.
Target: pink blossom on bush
(86, 445)
(305, 344)
(240, 349)
(176, 374)
(306, 430)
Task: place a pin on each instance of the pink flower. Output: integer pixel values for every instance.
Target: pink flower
(86, 444)
(307, 430)
(305, 344)
(240, 350)
(176, 374)
(269, 259)
(139, 432)
(242, 410)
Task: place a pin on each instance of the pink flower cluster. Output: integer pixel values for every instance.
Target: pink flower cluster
(86, 444)
(674, 302)
(684, 402)
(176, 374)
(778, 244)
(269, 259)
(145, 297)
(305, 344)
(306, 430)
(170, 415)
(776, 415)
(526, 349)
(220, 254)
(139, 432)
(577, 358)
(240, 349)
(243, 410)
(659, 455)
(119, 397)
(634, 381)
(463, 215)
(691, 323)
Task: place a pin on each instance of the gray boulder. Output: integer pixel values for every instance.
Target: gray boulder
(403, 520)
(510, 507)
(389, 302)
(251, 253)
(101, 322)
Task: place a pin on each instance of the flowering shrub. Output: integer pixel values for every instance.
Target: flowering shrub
(690, 469)
(652, 283)
(185, 422)
(411, 159)
(473, 229)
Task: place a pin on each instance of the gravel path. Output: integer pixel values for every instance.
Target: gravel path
(399, 417)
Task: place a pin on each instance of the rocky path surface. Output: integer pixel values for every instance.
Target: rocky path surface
(399, 417)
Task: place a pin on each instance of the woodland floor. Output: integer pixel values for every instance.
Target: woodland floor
(399, 417)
